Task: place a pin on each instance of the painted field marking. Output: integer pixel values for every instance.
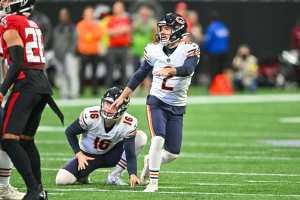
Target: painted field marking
(169, 192)
(271, 98)
(202, 172)
(290, 120)
(205, 156)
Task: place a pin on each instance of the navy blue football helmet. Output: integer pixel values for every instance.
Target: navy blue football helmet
(110, 96)
(178, 25)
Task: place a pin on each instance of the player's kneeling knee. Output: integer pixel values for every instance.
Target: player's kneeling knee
(141, 137)
(64, 177)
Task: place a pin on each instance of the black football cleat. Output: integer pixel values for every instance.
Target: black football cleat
(36, 195)
(84, 180)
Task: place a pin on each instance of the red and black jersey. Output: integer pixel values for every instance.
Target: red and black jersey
(31, 76)
(31, 35)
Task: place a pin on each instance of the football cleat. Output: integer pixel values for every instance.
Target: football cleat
(38, 194)
(10, 193)
(151, 188)
(144, 178)
(84, 180)
(115, 180)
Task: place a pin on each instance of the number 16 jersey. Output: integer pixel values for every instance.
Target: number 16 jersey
(170, 90)
(95, 139)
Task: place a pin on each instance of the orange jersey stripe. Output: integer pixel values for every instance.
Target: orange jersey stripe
(149, 120)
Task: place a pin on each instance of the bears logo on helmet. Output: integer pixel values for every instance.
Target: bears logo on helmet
(109, 97)
(178, 25)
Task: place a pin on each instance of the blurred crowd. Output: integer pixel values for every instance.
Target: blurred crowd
(106, 46)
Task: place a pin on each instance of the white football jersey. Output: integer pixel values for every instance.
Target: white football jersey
(171, 90)
(96, 140)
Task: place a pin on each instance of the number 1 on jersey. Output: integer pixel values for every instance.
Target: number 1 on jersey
(36, 43)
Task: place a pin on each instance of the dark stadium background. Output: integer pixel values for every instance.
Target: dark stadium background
(263, 24)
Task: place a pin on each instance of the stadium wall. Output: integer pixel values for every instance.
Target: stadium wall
(264, 25)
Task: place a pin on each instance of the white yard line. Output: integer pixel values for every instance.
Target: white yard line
(198, 100)
(290, 120)
(206, 173)
(258, 181)
(217, 184)
(51, 129)
(168, 192)
(204, 156)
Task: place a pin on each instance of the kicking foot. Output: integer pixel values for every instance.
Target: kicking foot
(151, 188)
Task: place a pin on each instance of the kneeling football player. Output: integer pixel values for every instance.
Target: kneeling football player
(108, 138)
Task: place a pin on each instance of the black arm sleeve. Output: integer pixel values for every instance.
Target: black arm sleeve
(139, 75)
(188, 66)
(129, 147)
(17, 56)
(71, 132)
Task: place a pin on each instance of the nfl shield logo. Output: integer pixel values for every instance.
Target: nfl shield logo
(168, 60)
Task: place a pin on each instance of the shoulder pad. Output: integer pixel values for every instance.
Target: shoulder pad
(130, 125)
(88, 116)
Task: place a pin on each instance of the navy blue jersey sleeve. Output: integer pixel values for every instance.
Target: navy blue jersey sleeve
(188, 66)
(139, 75)
(71, 133)
(129, 147)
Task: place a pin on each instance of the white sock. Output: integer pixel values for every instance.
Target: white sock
(167, 157)
(5, 168)
(120, 167)
(140, 142)
(155, 153)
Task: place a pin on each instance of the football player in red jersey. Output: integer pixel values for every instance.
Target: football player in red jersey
(6, 190)
(22, 43)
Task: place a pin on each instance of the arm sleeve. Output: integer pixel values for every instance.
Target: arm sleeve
(71, 133)
(188, 66)
(139, 75)
(17, 56)
(129, 147)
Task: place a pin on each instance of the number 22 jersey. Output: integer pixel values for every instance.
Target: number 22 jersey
(31, 77)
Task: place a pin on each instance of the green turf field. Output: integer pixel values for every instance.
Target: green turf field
(230, 151)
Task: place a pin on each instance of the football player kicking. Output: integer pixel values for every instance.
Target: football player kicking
(172, 62)
(108, 138)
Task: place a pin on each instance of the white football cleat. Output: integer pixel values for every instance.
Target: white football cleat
(115, 180)
(144, 178)
(151, 188)
(10, 193)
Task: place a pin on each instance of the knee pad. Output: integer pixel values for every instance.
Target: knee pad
(168, 157)
(140, 138)
(140, 141)
(64, 177)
